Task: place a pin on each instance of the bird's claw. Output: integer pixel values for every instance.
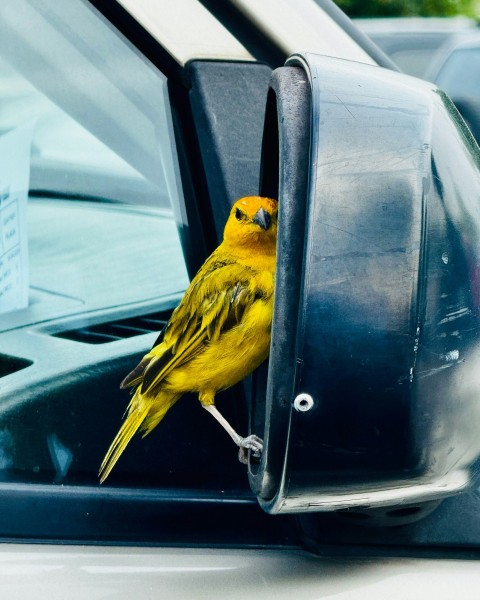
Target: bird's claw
(253, 443)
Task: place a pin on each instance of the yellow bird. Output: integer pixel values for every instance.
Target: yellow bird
(218, 334)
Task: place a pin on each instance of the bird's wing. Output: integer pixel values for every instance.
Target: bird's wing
(214, 302)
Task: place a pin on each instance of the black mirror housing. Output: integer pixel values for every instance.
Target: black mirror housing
(372, 395)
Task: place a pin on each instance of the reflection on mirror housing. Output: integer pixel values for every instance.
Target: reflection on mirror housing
(372, 395)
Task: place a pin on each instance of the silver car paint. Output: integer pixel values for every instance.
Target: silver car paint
(81, 572)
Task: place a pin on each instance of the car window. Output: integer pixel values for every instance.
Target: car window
(91, 262)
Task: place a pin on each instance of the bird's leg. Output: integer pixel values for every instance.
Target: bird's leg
(251, 442)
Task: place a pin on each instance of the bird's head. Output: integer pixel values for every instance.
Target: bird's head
(252, 222)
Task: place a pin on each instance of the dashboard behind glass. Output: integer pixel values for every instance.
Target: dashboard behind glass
(91, 264)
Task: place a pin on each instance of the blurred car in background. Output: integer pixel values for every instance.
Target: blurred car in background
(415, 44)
(443, 51)
(457, 72)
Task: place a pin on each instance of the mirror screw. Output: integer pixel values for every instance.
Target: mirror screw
(303, 403)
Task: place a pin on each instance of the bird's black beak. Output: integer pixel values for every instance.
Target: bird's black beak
(262, 218)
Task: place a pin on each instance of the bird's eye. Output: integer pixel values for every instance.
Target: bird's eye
(239, 215)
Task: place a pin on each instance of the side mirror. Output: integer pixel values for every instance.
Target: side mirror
(373, 390)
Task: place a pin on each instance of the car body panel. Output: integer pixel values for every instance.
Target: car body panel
(295, 27)
(200, 36)
(51, 572)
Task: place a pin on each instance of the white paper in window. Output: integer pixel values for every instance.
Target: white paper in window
(14, 181)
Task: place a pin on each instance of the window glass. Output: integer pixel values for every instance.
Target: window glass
(91, 263)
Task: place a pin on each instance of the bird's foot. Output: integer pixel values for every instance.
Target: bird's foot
(251, 442)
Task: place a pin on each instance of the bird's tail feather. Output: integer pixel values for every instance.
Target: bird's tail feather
(141, 415)
(137, 412)
(130, 426)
